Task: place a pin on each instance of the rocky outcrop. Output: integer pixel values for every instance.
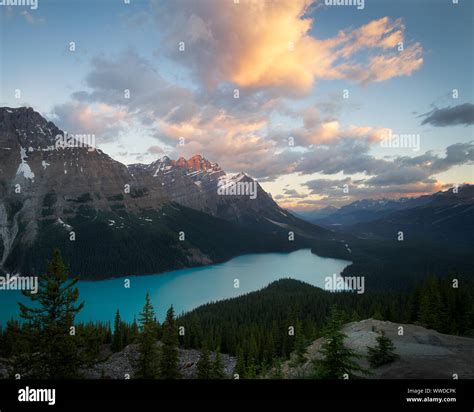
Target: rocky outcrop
(424, 353)
(120, 365)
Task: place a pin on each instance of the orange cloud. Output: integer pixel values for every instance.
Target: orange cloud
(318, 131)
(267, 44)
(381, 68)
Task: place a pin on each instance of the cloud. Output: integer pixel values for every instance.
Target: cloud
(317, 130)
(292, 194)
(336, 192)
(345, 154)
(130, 81)
(267, 44)
(213, 123)
(31, 18)
(104, 121)
(384, 67)
(462, 114)
(244, 45)
(156, 150)
(326, 186)
(402, 176)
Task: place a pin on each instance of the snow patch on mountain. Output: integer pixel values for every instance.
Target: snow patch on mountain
(24, 168)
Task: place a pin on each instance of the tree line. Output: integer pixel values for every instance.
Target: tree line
(261, 329)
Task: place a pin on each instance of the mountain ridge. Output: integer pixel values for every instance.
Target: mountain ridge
(51, 193)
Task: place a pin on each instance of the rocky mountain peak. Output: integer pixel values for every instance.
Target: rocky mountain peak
(20, 118)
(31, 129)
(196, 163)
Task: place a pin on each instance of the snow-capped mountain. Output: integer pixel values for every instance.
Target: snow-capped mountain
(110, 219)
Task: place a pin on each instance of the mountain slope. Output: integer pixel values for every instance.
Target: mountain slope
(445, 218)
(112, 220)
(367, 210)
(202, 185)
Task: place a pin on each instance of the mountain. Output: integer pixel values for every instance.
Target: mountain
(199, 184)
(448, 218)
(445, 218)
(316, 214)
(111, 220)
(366, 210)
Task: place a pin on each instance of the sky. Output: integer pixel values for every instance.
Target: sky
(308, 97)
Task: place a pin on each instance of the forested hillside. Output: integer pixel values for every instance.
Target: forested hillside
(255, 327)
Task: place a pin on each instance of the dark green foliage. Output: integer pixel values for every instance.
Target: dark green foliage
(168, 365)
(300, 345)
(431, 311)
(137, 243)
(52, 349)
(147, 364)
(390, 265)
(254, 327)
(217, 368)
(338, 361)
(92, 337)
(203, 367)
(383, 353)
(118, 336)
(240, 368)
(276, 371)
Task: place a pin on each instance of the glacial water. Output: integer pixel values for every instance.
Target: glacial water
(187, 289)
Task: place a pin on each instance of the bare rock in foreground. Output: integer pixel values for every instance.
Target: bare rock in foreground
(424, 353)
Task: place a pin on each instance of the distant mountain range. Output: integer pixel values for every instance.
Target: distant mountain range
(443, 217)
(111, 220)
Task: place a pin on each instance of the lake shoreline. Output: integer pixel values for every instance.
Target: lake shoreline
(189, 288)
(219, 262)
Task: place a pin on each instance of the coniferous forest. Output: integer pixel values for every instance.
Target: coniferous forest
(261, 329)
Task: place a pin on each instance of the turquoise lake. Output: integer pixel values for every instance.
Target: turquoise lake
(187, 289)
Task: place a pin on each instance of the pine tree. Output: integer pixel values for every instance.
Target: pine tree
(217, 371)
(251, 372)
(300, 346)
(147, 363)
(337, 360)
(134, 331)
(431, 312)
(54, 351)
(118, 336)
(355, 316)
(169, 352)
(277, 371)
(240, 367)
(204, 365)
(383, 353)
